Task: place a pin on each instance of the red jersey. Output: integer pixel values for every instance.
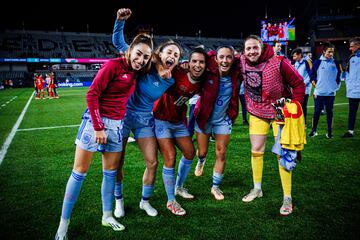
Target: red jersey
(110, 91)
(172, 106)
(39, 81)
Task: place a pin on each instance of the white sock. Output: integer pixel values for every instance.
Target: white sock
(107, 214)
(63, 226)
(257, 186)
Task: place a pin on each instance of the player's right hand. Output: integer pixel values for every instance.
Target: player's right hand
(100, 137)
(123, 14)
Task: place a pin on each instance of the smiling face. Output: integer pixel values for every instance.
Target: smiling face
(197, 65)
(170, 56)
(139, 56)
(224, 59)
(252, 50)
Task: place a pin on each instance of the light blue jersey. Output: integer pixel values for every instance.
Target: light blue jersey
(222, 101)
(149, 88)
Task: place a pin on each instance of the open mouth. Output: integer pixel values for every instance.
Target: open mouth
(169, 63)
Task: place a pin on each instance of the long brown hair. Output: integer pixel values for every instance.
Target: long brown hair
(140, 38)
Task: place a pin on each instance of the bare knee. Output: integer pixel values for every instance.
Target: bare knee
(189, 154)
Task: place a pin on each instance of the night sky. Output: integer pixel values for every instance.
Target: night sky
(185, 17)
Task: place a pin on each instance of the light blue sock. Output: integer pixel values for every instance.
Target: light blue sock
(118, 193)
(217, 179)
(107, 189)
(169, 182)
(183, 171)
(147, 191)
(72, 192)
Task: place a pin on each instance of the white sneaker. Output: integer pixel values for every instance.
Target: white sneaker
(183, 192)
(175, 208)
(218, 194)
(61, 236)
(119, 208)
(131, 139)
(111, 222)
(287, 206)
(145, 205)
(254, 193)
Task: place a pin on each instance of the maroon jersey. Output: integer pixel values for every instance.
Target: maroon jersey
(172, 106)
(110, 91)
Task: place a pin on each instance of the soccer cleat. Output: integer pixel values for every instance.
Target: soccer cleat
(329, 136)
(287, 206)
(199, 168)
(111, 222)
(313, 133)
(218, 194)
(348, 135)
(183, 192)
(254, 193)
(60, 236)
(145, 205)
(119, 208)
(175, 208)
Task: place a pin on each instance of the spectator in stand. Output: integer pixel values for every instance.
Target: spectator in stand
(325, 77)
(101, 126)
(303, 67)
(353, 84)
(265, 76)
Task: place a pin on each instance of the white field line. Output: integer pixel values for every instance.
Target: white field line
(9, 139)
(45, 128)
(4, 105)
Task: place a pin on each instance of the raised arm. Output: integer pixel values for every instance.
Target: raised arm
(118, 33)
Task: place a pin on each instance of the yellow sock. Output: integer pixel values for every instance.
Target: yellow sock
(285, 180)
(257, 162)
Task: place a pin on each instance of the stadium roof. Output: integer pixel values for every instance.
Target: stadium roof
(188, 18)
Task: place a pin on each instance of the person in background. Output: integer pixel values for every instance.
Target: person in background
(100, 129)
(353, 84)
(265, 76)
(325, 77)
(277, 48)
(304, 69)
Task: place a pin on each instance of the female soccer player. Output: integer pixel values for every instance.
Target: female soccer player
(101, 126)
(266, 76)
(216, 111)
(170, 127)
(139, 118)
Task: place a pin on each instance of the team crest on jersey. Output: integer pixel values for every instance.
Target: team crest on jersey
(211, 81)
(156, 83)
(86, 138)
(125, 76)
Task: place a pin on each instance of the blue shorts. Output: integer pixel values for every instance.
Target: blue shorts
(222, 127)
(165, 129)
(140, 123)
(85, 138)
